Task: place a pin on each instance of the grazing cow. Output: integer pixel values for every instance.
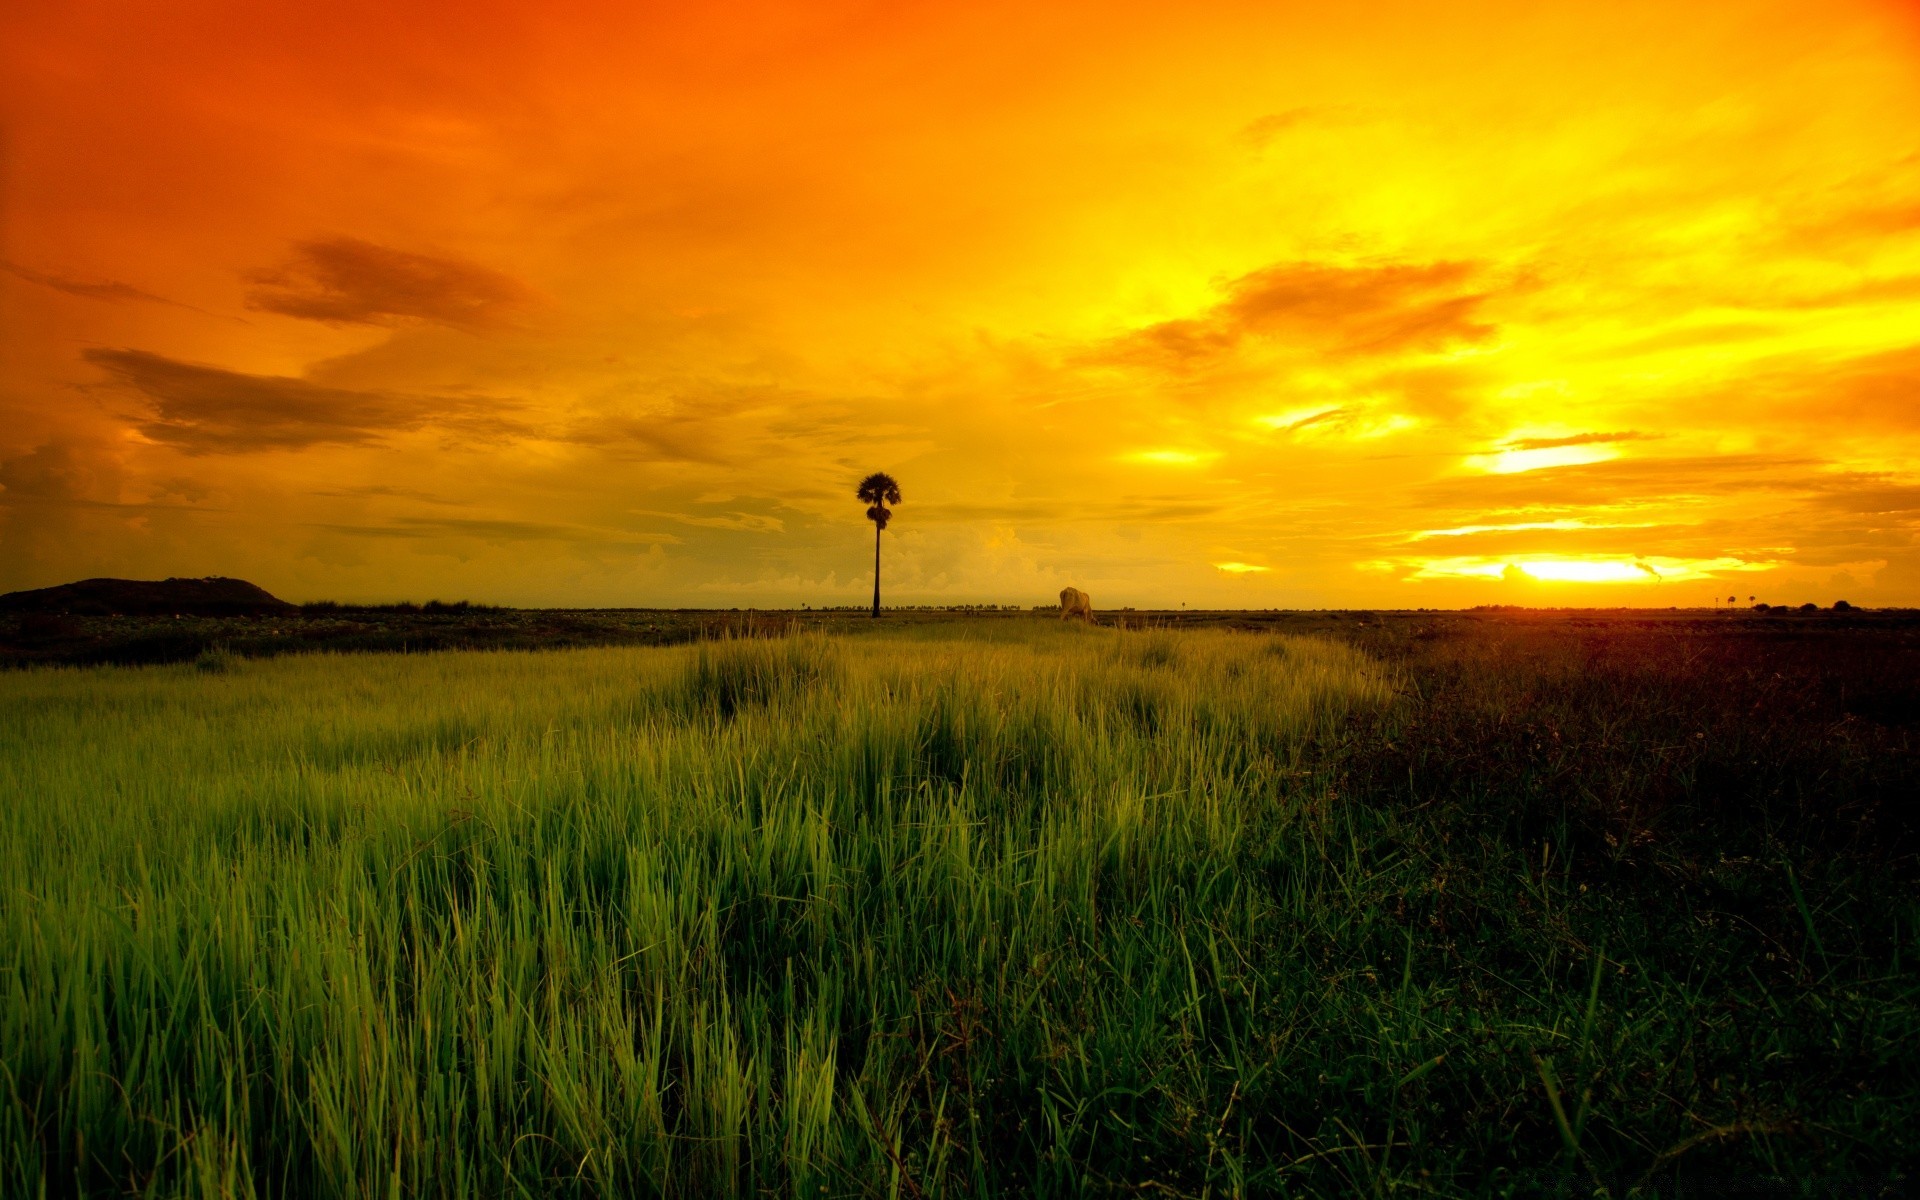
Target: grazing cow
(1075, 603)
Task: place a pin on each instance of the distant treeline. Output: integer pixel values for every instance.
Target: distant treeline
(323, 607)
(959, 608)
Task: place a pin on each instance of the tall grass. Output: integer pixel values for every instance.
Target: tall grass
(967, 909)
(905, 916)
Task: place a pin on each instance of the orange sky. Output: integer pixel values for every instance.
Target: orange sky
(1250, 305)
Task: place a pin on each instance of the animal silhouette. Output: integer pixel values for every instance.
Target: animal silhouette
(1075, 603)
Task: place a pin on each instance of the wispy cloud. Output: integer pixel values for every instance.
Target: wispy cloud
(1366, 310)
(497, 530)
(105, 289)
(208, 410)
(1262, 130)
(1576, 439)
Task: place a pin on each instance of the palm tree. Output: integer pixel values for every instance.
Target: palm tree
(878, 490)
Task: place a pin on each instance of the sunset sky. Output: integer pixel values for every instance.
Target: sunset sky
(1261, 305)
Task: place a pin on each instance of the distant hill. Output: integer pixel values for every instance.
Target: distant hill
(213, 597)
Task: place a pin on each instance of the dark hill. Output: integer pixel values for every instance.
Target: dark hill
(213, 597)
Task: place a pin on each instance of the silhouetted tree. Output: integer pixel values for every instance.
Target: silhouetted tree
(878, 490)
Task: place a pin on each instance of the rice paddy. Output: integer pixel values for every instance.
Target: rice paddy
(962, 909)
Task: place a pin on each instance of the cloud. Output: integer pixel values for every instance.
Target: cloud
(1336, 415)
(1688, 337)
(1441, 391)
(497, 530)
(1894, 288)
(62, 471)
(1262, 130)
(663, 437)
(101, 290)
(1872, 222)
(1577, 439)
(1863, 392)
(1065, 509)
(1617, 481)
(384, 491)
(348, 281)
(1858, 493)
(739, 522)
(1357, 311)
(207, 410)
(1560, 568)
(1566, 537)
(724, 425)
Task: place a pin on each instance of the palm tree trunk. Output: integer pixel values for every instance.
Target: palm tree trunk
(876, 570)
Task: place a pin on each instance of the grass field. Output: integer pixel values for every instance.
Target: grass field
(961, 908)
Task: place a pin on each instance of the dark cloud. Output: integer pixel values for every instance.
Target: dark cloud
(1346, 311)
(55, 472)
(68, 473)
(207, 410)
(348, 281)
(101, 290)
(1865, 494)
(1578, 439)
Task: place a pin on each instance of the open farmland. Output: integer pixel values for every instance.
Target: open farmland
(967, 908)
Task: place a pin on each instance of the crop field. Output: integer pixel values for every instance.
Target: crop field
(969, 908)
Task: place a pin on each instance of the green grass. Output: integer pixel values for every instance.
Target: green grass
(956, 909)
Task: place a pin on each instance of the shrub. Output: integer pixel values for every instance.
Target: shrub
(217, 660)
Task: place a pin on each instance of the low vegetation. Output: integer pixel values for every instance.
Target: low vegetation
(964, 908)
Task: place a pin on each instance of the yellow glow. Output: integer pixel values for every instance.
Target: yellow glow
(1582, 571)
(1463, 530)
(1510, 462)
(1240, 568)
(1387, 426)
(1171, 458)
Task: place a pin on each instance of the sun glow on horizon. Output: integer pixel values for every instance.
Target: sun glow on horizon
(1549, 568)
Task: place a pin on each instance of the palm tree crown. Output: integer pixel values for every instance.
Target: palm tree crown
(879, 490)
